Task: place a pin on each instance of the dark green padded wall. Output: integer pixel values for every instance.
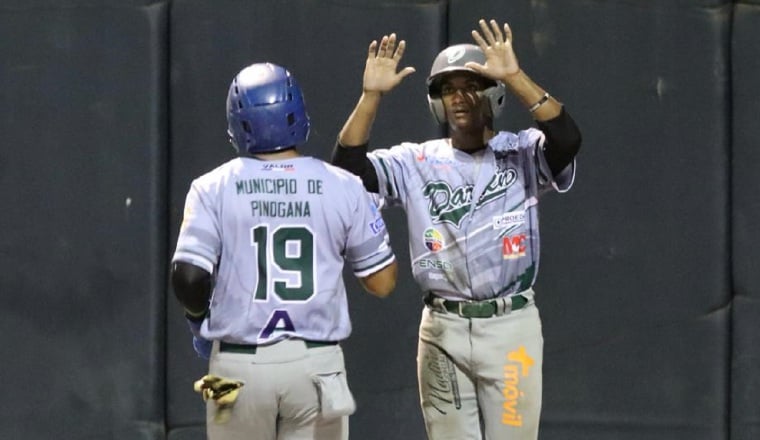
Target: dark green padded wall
(83, 169)
(745, 214)
(648, 286)
(211, 42)
(635, 284)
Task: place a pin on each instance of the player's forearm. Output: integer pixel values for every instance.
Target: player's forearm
(563, 141)
(382, 282)
(354, 159)
(357, 128)
(532, 96)
(563, 138)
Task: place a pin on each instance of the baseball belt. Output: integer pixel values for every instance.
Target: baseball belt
(477, 309)
(251, 349)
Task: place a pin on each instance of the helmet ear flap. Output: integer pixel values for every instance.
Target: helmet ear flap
(436, 108)
(496, 96)
(233, 142)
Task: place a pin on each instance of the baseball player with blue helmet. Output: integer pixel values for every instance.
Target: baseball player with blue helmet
(471, 203)
(258, 269)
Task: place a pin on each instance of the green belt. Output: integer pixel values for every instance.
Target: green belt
(477, 309)
(251, 349)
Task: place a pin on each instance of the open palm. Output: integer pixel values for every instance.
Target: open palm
(380, 73)
(501, 60)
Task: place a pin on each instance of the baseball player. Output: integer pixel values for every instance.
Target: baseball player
(471, 201)
(258, 268)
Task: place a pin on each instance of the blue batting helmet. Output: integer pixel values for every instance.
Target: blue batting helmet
(265, 110)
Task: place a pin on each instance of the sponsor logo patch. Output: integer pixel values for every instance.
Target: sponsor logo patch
(377, 226)
(435, 161)
(508, 219)
(433, 240)
(435, 264)
(513, 246)
(278, 167)
(516, 368)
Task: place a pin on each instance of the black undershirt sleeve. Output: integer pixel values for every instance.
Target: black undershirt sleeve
(354, 160)
(563, 141)
(192, 286)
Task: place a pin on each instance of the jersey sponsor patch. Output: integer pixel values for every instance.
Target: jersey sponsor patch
(435, 264)
(287, 167)
(437, 162)
(377, 225)
(513, 246)
(508, 219)
(433, 240)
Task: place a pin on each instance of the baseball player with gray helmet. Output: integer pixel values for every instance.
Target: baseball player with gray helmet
(471, 203)
(258, 268)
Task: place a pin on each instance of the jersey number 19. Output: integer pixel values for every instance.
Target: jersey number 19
(287, 250)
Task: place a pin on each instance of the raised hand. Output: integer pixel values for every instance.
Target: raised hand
(501, 61)
(382, 61)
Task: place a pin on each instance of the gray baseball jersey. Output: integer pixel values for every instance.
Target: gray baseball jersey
(275, 235)
(472, 218)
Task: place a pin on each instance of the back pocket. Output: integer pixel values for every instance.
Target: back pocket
(335, 399)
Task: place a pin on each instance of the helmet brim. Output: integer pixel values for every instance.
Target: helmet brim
(434, 81)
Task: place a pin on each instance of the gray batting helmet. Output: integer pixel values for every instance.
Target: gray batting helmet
(453, 59)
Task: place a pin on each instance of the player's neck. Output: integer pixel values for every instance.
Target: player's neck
(290, 153)
(471, 142)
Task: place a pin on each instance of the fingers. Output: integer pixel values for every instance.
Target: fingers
(406, 71)
(372, 49)
(489, 37)
(491, 34)
(507, 33)
(384, 46)
(478, 39)
(498, 37)
(383, 57)
(387, 48)
(474, 66)
(400, 50)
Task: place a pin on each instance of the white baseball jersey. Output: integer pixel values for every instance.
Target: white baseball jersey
(275, 235)
(472, 218)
